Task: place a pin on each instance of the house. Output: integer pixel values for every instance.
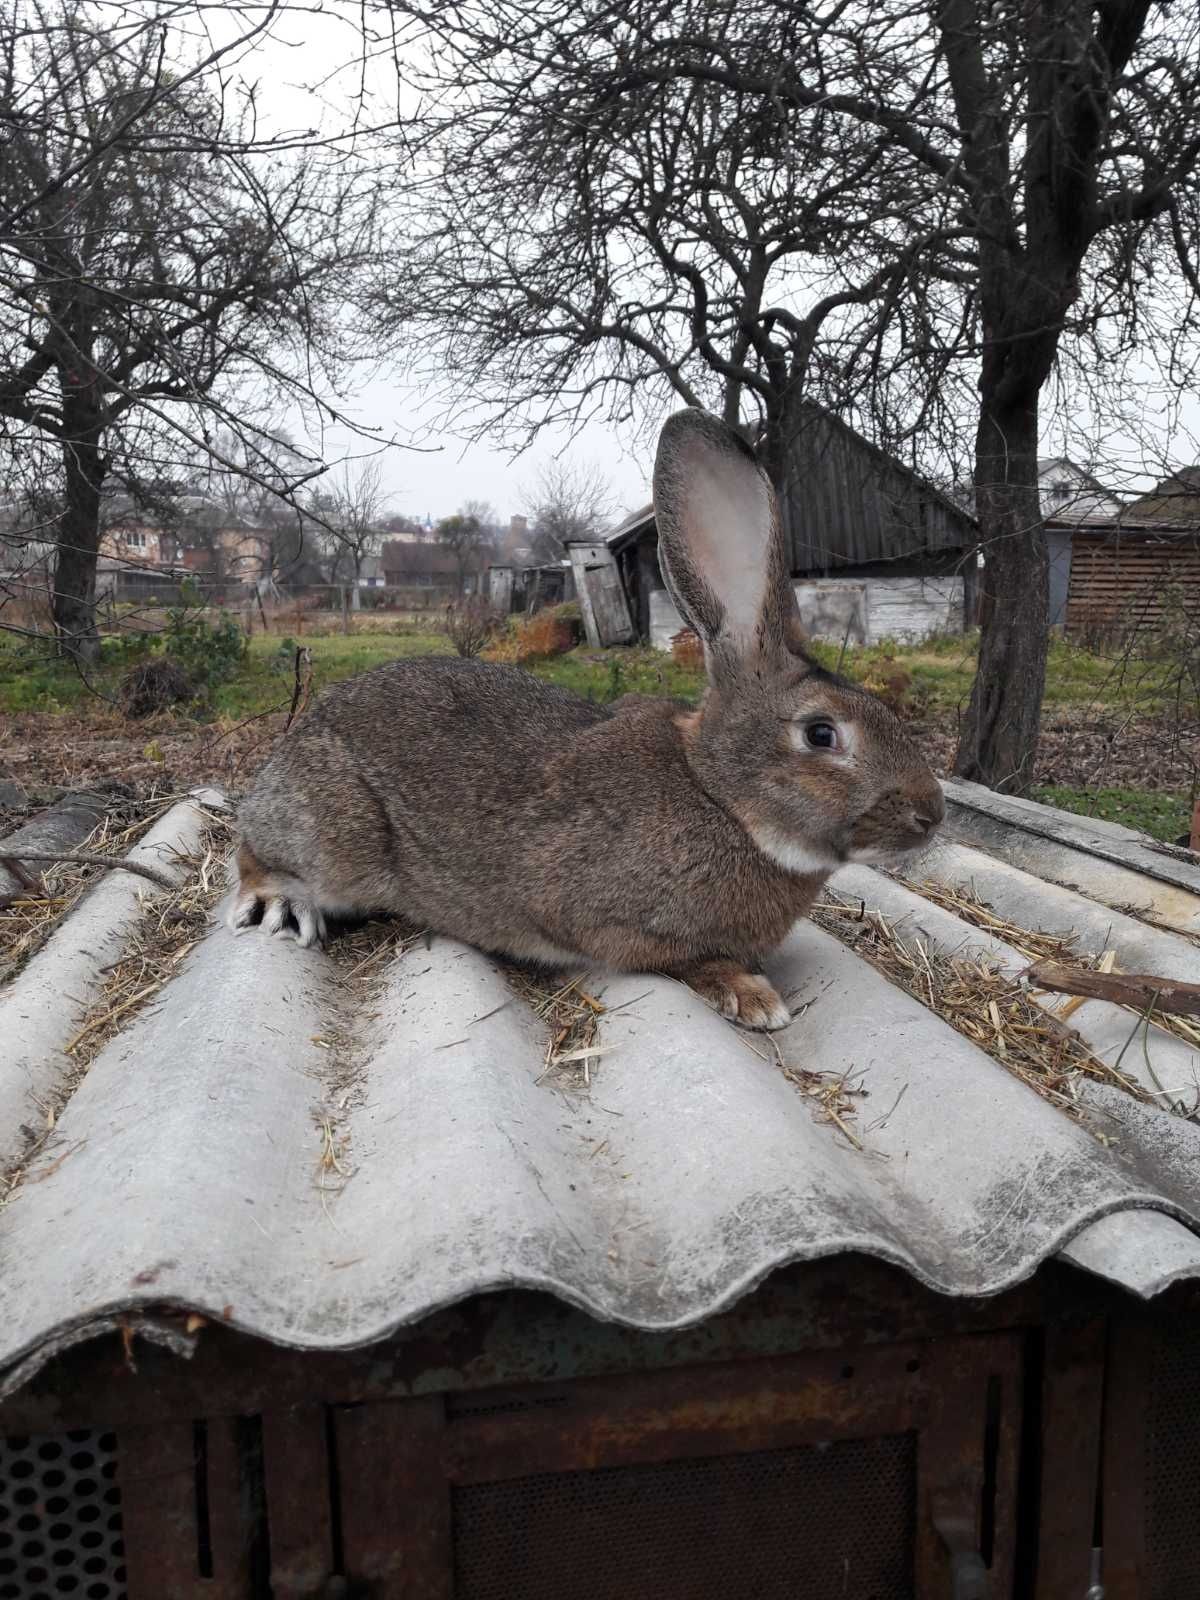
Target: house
(371, 574)
(334, 1273)
(430, 569)
(1136, 569)
(1071, 494)
(876, 551)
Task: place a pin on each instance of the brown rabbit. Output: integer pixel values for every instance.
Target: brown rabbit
(478, 801)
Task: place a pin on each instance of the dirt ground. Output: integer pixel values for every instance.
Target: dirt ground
(41, 755)
(1081, 751)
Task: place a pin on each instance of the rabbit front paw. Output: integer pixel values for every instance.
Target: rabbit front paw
(287, 916)
(742, 996)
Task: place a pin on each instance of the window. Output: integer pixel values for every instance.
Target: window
(134, 540)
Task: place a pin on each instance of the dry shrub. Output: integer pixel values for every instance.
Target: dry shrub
(686, 650)
(891, 683)
(470, 626)
(152, 686)
(534, 638)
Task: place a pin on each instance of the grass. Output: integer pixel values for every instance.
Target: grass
(940, 671)
(1163, 815)
(31, 680)
(605, 675)
(266, 676)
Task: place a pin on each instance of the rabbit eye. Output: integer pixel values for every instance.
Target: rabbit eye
(821, 736)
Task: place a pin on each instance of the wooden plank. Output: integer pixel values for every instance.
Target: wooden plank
(394, 1498)
(672, 1416)
(158, 1510)
(1127, 1393)
(232, 1512)
(967, 1476)
(299, 1509)
(1072, 1408)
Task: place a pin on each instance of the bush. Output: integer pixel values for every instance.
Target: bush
(210, 653)
(686, 650)
(470, 626)
(535, 638)
(152, 686)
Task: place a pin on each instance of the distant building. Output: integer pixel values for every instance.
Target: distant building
(429, 566)
(876, 550)
(1139, 570)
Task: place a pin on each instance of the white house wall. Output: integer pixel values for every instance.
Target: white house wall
(905, 609)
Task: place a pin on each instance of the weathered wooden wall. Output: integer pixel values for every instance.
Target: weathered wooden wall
(602, 598)
(847, 503)
(1123, 582)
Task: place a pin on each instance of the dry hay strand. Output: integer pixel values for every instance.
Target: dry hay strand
(834, 1095)
(572, 1020)
(964, 902)
(173, 921)
(1144, 914)
(28, 921)
(989, 1009)
(362, 949)
(361, 953)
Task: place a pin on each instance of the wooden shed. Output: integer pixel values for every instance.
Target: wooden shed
(876, 550)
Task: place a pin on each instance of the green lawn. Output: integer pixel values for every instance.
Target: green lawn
(939, 672)
(31, 681)
(1165, 814)
(267, 676)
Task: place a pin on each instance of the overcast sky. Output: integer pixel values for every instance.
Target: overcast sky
(309, 73)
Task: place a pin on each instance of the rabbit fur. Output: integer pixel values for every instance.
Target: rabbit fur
(480, 802)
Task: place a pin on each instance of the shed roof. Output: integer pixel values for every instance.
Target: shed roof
(849, 503)
(319, 1149)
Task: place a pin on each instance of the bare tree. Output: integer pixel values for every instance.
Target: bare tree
(664, 237)
(349, 515)
(847, 201)
(566, 503)
(157, 276)
(465, 539)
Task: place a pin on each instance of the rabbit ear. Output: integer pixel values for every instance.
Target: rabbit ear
(721, 546)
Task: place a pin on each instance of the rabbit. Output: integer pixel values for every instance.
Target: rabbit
(482, 803)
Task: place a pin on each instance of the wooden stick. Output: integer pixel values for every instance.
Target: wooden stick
(88, 859)
(1138, 990)
(302, 684)
(1195, 841)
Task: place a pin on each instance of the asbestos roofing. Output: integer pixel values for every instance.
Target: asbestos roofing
(318, 1147)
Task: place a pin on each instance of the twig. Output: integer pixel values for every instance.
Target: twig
(89, 859)
(845, 642)
(1138, 990)
(302, 685)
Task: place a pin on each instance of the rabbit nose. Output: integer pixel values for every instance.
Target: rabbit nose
(926, 814)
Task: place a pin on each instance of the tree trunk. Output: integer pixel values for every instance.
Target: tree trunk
(999, 738)
(78, 541)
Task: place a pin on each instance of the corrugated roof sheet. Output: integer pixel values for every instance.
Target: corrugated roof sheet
(317, 1156)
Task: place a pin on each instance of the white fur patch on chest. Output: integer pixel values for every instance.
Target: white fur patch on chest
(793, 854)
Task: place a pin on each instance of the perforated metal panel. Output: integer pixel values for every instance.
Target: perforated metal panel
(1173, 1462)
(826, 1522)
(60, 1518)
